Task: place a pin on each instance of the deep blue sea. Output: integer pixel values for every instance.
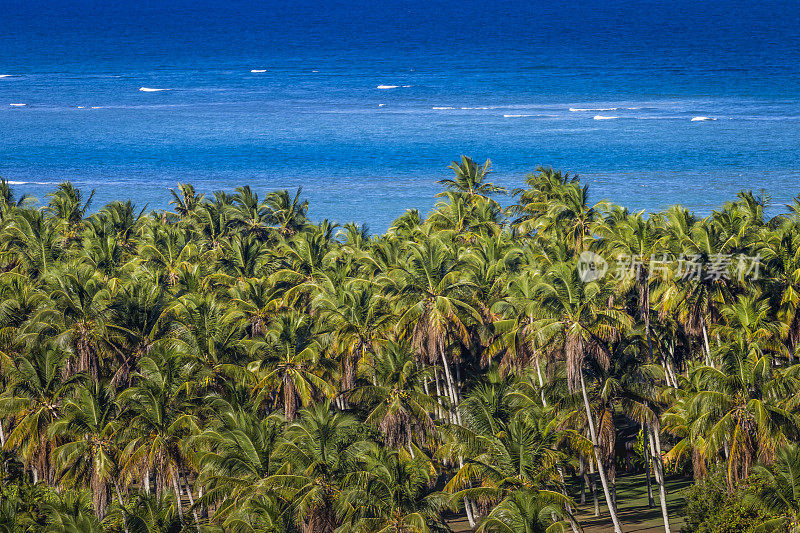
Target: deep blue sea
(364, 104)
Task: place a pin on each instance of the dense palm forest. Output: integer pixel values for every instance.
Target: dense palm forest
(231, 366)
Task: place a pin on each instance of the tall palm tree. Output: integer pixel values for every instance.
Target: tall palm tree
(319, 453)
(733, 413)
(578, 317)
(432, 293)
(239, 460)
(397, 404)
(357, 317)
(389, 493)
(68, 209)
(779, 490)
(289, 364)
(186, 200)
(160, 417)
(9, 202)
(35, 398)
(90, 450)
(287, 215)
(470, 178)
(75, 318)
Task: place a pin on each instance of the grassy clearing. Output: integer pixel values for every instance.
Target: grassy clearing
(632, 504)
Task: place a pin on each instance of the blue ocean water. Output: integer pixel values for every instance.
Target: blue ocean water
(606, 90)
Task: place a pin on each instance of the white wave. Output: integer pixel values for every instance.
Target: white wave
(701, 119)
(603, 117)
(95, 107)
(406, 85)
(81, 107)
(314, 71)
(381, 105)
(6, 76)
(475, 108)
(387, 86)
(17, 105)
(258, 70)
(151, 90)
(517, 116)
(442, 107)
(573, 109)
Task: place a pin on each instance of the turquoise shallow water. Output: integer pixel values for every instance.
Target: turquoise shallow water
(608, 92)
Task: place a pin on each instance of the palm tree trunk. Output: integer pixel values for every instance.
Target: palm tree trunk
(582, 475)
(597, 456)
(655, 437)
(467, 504)
(146, 481)
(176, 487)
(650, 501)
(191, 497)
(440, 409)
(122, 506)
(593, 486)
(451, 387)
(289, 400)
(2, 435)
(567, 508)
(541, 381)
(705, 341)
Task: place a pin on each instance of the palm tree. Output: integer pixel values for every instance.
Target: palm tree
(506, 458)
(89, 429)
(35, 399)
(287, 215)
(733, 412)
(250, 215)
(8, 202)
(470, 178)
(779, 490)
(526, 511)
(160, 418)
(319, 453)
(390, 493)
(397, 404)
(357, 317)
(68, 209)
(240, 459)
(433, 294)
(75, 318)
(186, 200)
(289, 364)
(137, 323)
(31, 244)
(578, 317)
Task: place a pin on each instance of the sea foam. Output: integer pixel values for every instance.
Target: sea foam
(258, 71)
(387, 86)
(151, 90)
(573, 109)
(442, 107)
(17, 105)
(603, 117)
(702, 119)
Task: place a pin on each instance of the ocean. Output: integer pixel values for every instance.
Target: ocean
(364, 104)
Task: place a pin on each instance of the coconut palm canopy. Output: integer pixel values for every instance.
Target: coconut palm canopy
(231, 365)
